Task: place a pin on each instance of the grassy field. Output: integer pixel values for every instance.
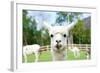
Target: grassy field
(46, 56)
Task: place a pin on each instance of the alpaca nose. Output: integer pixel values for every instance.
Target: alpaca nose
(58, 41)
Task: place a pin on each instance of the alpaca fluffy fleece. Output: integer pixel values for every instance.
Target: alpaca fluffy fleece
(30, 49)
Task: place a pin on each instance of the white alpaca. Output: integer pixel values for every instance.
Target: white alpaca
(88, 52)
(75, 51)
(59, 36)
(30, 49)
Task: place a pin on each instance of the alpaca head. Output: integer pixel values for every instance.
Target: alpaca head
(59, 36)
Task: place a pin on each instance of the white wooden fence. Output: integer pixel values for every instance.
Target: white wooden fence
(80, 46)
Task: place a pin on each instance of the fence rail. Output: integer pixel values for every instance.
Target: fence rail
(80, 46)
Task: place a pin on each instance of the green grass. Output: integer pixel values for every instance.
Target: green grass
(46, 56)
(71, 56)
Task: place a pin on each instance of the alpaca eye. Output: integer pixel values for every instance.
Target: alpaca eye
(64, 35)
(51, 35)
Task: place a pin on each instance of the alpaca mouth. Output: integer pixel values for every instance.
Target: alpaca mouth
(58, 46)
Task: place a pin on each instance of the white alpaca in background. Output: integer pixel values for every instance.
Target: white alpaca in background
(88, 53)
(75, 50)
(30, 49)
(59, 37)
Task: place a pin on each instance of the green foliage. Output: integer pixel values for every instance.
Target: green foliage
(30, 33)
(81, 34)
(29, 27)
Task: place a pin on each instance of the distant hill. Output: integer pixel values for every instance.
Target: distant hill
(87, 22)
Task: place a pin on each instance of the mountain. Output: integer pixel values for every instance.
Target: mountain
(87, 22)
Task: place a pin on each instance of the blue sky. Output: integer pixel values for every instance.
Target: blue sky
(41, 15)
(48, 16)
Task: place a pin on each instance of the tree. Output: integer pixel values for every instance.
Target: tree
(30, 33)
(29, 28)
(67, 17)
(81, 35)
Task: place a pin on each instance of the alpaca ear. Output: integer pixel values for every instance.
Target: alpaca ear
(47, 25)
(70, 26)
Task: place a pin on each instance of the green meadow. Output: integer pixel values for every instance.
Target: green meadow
(45, 56)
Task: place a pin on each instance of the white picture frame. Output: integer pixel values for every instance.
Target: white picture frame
(16, 51)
